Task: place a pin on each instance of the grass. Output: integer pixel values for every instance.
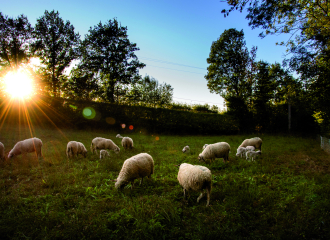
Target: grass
(285, 194)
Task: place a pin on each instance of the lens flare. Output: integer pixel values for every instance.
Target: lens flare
(157, 138)
(110, 120)
(89, 113)
(123, 125)
(131, 127)
(18, 84)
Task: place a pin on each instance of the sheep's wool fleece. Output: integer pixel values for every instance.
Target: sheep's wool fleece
(127, 142)
(77, 147)
(256, 142)
(138, 166)
(193, 177)
(27, 146)
(216, 150)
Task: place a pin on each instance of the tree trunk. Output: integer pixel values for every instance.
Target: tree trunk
(289, 114)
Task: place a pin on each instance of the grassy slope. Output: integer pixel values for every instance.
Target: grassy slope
(284, 194)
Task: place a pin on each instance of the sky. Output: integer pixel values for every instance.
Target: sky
(174, 36)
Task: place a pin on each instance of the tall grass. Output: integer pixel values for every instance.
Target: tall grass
(285, 194)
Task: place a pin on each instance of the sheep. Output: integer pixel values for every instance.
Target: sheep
(138, 166)
(252, 154)
(186, 149)
(241, 151)
(104, 154)
(2, 151)
(196, 178)
(255, 142)
(27, 146)
(216, 150)
(74, 148)
(126, 142)
(103, 143)
(205, 145)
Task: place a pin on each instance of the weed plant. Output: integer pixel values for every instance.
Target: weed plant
(284, 194)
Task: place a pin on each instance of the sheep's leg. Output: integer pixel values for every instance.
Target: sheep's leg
(208, 196)
(200, 196)
(132, 184)
(184, 193)
(141, 181)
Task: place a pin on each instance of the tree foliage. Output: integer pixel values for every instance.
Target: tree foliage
(15, 39)
(107, 52)
(55, 45)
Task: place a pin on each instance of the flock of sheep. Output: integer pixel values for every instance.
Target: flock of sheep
(190, 177)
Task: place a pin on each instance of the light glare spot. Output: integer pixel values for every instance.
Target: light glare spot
(123, 125)
(131, 127)
(18, 84)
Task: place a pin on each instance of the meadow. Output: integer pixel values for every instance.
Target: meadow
(285, 194)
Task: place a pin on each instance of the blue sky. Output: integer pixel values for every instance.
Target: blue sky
(169, 33)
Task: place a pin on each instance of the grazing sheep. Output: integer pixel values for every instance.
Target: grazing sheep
(2, 151)
(196, 178)
(186, 149)
(216, 150)
(104, 154)
(255, 142)
(126, 142)
(27, 146)
(241, 152)
(138, 166)
(103, 143)
(205, 145)
(252, 154)
(74, 148)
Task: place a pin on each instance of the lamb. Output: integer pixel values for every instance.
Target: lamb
(104, 154)
(241, 151)
(27, 146)
(74, 148)
(252, 154)
(2, 151)
(138, 166)
(216, 150)
(196, 178)
(103, 143)
(255, 142)
(126, 142)
(186, 149)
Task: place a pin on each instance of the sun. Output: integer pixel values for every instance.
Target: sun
(18, 84)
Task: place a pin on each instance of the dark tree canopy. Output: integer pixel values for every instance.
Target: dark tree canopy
(56, 43)
(108, 53)
(15, 37)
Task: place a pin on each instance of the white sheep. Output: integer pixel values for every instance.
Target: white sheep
(27, 146)
(104, 154)
(255, 142)
(250, 148)
(2, 151)
(205, 145)
(216, 150)
(241, 151)
(74, 148)
(252, 154)
(138, 166)
(196, 178)
(126, 142)
(186, 149)
(103, 143)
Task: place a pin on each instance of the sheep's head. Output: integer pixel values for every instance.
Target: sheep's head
(85, 153)
(185, 149)
(120, 184)
(10, 155)
(201, 158)
(117, 150)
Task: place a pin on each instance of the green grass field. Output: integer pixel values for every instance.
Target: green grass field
(285, 194)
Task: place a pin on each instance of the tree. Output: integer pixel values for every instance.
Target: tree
(230, 72)
(108, 53)
(81, 85)
(148, 92)
(56, 46)
(15, 37)
(308, 22)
